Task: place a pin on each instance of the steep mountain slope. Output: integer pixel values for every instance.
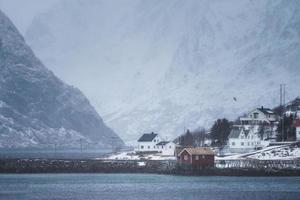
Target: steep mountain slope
(172, 64)
(36, 108)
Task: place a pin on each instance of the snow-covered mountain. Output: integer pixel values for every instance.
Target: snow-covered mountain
(172, 64)
(39, 110)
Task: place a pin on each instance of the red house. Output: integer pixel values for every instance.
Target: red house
(200, 157)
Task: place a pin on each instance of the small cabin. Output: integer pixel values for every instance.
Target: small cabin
(199, 157)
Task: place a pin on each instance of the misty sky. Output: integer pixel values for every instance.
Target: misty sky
(21, 12)
(147, 68)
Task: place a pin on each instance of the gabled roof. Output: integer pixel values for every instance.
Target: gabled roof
(162, 143)
(198, 151)
(235, 133)
(266, 111)
(147, 137)
(246, 132)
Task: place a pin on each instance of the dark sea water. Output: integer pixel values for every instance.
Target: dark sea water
(145, 186)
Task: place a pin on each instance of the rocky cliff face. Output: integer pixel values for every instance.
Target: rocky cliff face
(39, 110)
(172, 64)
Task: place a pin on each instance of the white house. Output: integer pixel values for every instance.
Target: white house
(297, 125)
(148, 141)
(166, 148)
(152, 142)
(244, 140)
(259, 116)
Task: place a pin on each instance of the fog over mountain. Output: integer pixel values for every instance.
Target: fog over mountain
(170, 64)
(39, 110)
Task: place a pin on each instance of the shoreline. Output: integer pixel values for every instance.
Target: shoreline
(47, 166)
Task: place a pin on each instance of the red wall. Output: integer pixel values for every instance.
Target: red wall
(207, 161)
(181, 158)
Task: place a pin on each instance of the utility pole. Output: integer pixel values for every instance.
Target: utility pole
(54, 150)
(113, 144)
(282, 105)
(80, 145)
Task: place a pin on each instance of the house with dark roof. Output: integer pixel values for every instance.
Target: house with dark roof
(152, 143)
(147, 142)
(259, 116)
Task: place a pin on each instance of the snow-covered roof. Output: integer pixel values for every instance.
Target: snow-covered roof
(198, 151)
(265, 110)
(235, 133)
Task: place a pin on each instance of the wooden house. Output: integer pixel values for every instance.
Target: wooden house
(199, 157)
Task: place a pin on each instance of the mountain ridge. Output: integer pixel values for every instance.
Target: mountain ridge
(172, 64)
(39, 110)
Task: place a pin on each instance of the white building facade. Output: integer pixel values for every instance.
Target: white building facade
(152, 143)
(259, 116)
(243, 140)
(148, 141)
(297, 126)
(166, 148)
(256, 130)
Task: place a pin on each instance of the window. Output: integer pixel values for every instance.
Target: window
(248, 143)
(203, 156)
(242, 143)
(255, 115)
(252, 137)
(142, 147)
(162, 147)
(242, 137)
(153, 147)
(232, 143)
(170, 147)
(185, 157)
(148, 147)
(252, 144)
(197, 157)
(154, 140)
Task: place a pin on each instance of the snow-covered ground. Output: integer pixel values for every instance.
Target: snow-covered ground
(278, 153)
(283, 152)
(131, 155)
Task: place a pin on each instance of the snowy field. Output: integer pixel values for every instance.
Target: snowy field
(131, 155)
(283, 152)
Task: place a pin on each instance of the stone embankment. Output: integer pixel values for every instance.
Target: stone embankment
(129, 166)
